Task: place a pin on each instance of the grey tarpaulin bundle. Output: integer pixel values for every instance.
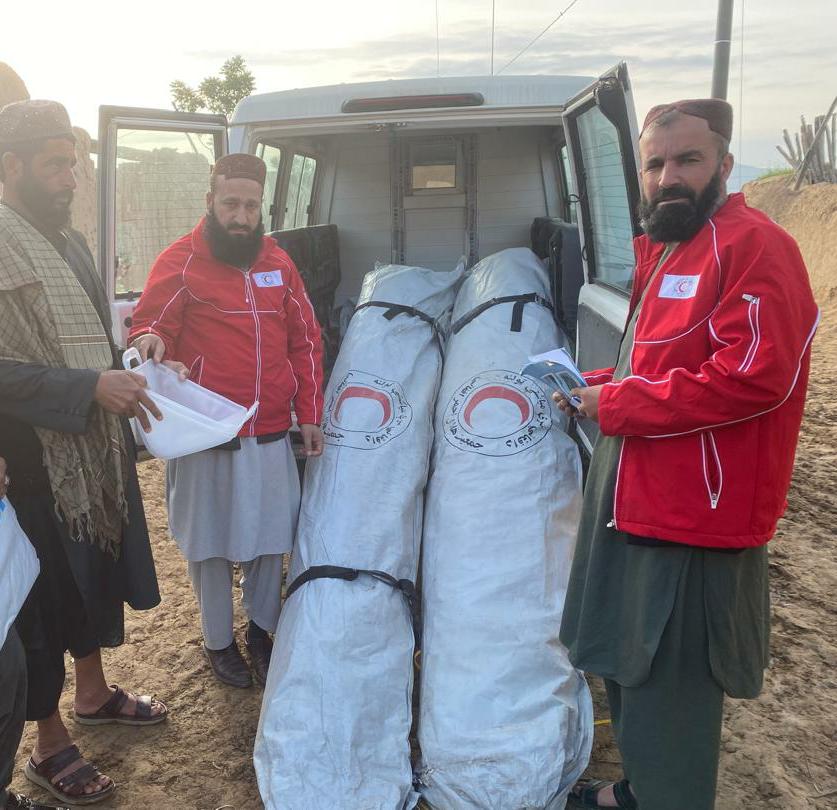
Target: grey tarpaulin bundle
(336, 715)
(505, 720)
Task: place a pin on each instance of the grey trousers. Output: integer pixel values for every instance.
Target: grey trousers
(12, 706)
(261, 585)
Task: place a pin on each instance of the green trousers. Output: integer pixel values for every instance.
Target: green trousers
(670, 629)
(668, 728)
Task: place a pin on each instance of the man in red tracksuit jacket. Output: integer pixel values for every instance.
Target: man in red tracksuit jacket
(668, 598)
(227, 302)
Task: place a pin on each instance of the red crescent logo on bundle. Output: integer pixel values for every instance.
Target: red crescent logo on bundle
(497, 413)
(365, 412)
(361, 392)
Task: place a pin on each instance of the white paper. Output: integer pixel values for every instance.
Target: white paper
(561, 356)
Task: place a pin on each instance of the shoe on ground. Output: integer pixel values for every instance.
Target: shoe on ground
(259, 649)
(229, 666)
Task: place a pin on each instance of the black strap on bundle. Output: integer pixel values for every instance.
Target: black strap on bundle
(397, 309)
(519, 302)
(404, 586)
(393, 310)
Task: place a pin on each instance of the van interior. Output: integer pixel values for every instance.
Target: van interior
(340, 203)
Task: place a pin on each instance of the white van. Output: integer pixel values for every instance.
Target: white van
(416, 171)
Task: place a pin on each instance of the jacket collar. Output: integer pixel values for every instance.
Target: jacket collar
(733, 202)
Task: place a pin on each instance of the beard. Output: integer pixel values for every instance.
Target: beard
(49, 209)
(239, 250)
(680, 221)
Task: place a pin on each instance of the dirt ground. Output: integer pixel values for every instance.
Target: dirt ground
(779, 751)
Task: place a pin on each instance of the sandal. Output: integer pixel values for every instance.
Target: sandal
(70, 788)
(111, 711)
(588, 793)
(17, 801)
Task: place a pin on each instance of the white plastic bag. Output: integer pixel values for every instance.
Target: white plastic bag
(336, 715)
(505, 720)
(194, 418)
(19, 568)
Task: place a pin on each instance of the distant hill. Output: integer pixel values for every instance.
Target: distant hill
(743, 174)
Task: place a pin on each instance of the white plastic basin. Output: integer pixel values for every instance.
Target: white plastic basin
(194, 418)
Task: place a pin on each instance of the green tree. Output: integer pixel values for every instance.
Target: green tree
(218, 94)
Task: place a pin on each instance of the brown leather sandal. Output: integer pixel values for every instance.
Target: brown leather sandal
(586, 793)
(111, 711)
(70, 788)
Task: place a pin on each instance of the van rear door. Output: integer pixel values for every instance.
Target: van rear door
(601, 131)
(153, 175)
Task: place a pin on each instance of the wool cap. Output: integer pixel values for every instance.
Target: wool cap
(715, 111)
(240, 165)
(23, 121)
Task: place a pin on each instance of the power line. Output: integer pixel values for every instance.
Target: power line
(437, 39)
(492, 36)
(741, 101)
(537, 37)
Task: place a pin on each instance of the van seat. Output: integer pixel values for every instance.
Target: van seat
(316, 253)
(559, 242)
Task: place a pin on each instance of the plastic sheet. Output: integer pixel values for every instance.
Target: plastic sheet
(19, 568)
(194, 418)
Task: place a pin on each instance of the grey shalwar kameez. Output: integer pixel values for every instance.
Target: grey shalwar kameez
(229, 506)
(670, 628)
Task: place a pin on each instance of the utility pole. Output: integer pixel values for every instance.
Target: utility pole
(723, 38)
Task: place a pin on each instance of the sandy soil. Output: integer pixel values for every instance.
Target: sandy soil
(778, 752)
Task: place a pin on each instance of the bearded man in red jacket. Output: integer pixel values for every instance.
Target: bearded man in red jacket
(668, 598)
(227, 302)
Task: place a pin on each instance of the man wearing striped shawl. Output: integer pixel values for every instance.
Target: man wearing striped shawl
(69, 451)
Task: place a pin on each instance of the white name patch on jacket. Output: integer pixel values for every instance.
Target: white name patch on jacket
(272, 278)
(679, 286)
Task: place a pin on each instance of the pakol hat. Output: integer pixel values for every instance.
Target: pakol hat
(715, 111)
(239, 165)
(24, 121)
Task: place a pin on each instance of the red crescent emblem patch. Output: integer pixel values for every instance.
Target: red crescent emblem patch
(361, 392)
(498, 429)
(498, 392)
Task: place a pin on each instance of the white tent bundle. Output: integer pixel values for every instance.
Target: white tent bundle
(505, 720)
(336, 714)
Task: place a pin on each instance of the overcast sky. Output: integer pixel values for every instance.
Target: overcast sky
(89, 53)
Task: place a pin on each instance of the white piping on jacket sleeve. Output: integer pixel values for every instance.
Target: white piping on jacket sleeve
(745, 418)
(310, 351)
(174, 297)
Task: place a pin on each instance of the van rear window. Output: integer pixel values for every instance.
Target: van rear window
(433, 165)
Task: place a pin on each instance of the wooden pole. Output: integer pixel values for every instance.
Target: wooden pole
(791, 150)
(817, 173)
(787, 157)
(808, 155)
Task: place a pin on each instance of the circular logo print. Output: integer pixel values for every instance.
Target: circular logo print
(365, 412)
(497, 413)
